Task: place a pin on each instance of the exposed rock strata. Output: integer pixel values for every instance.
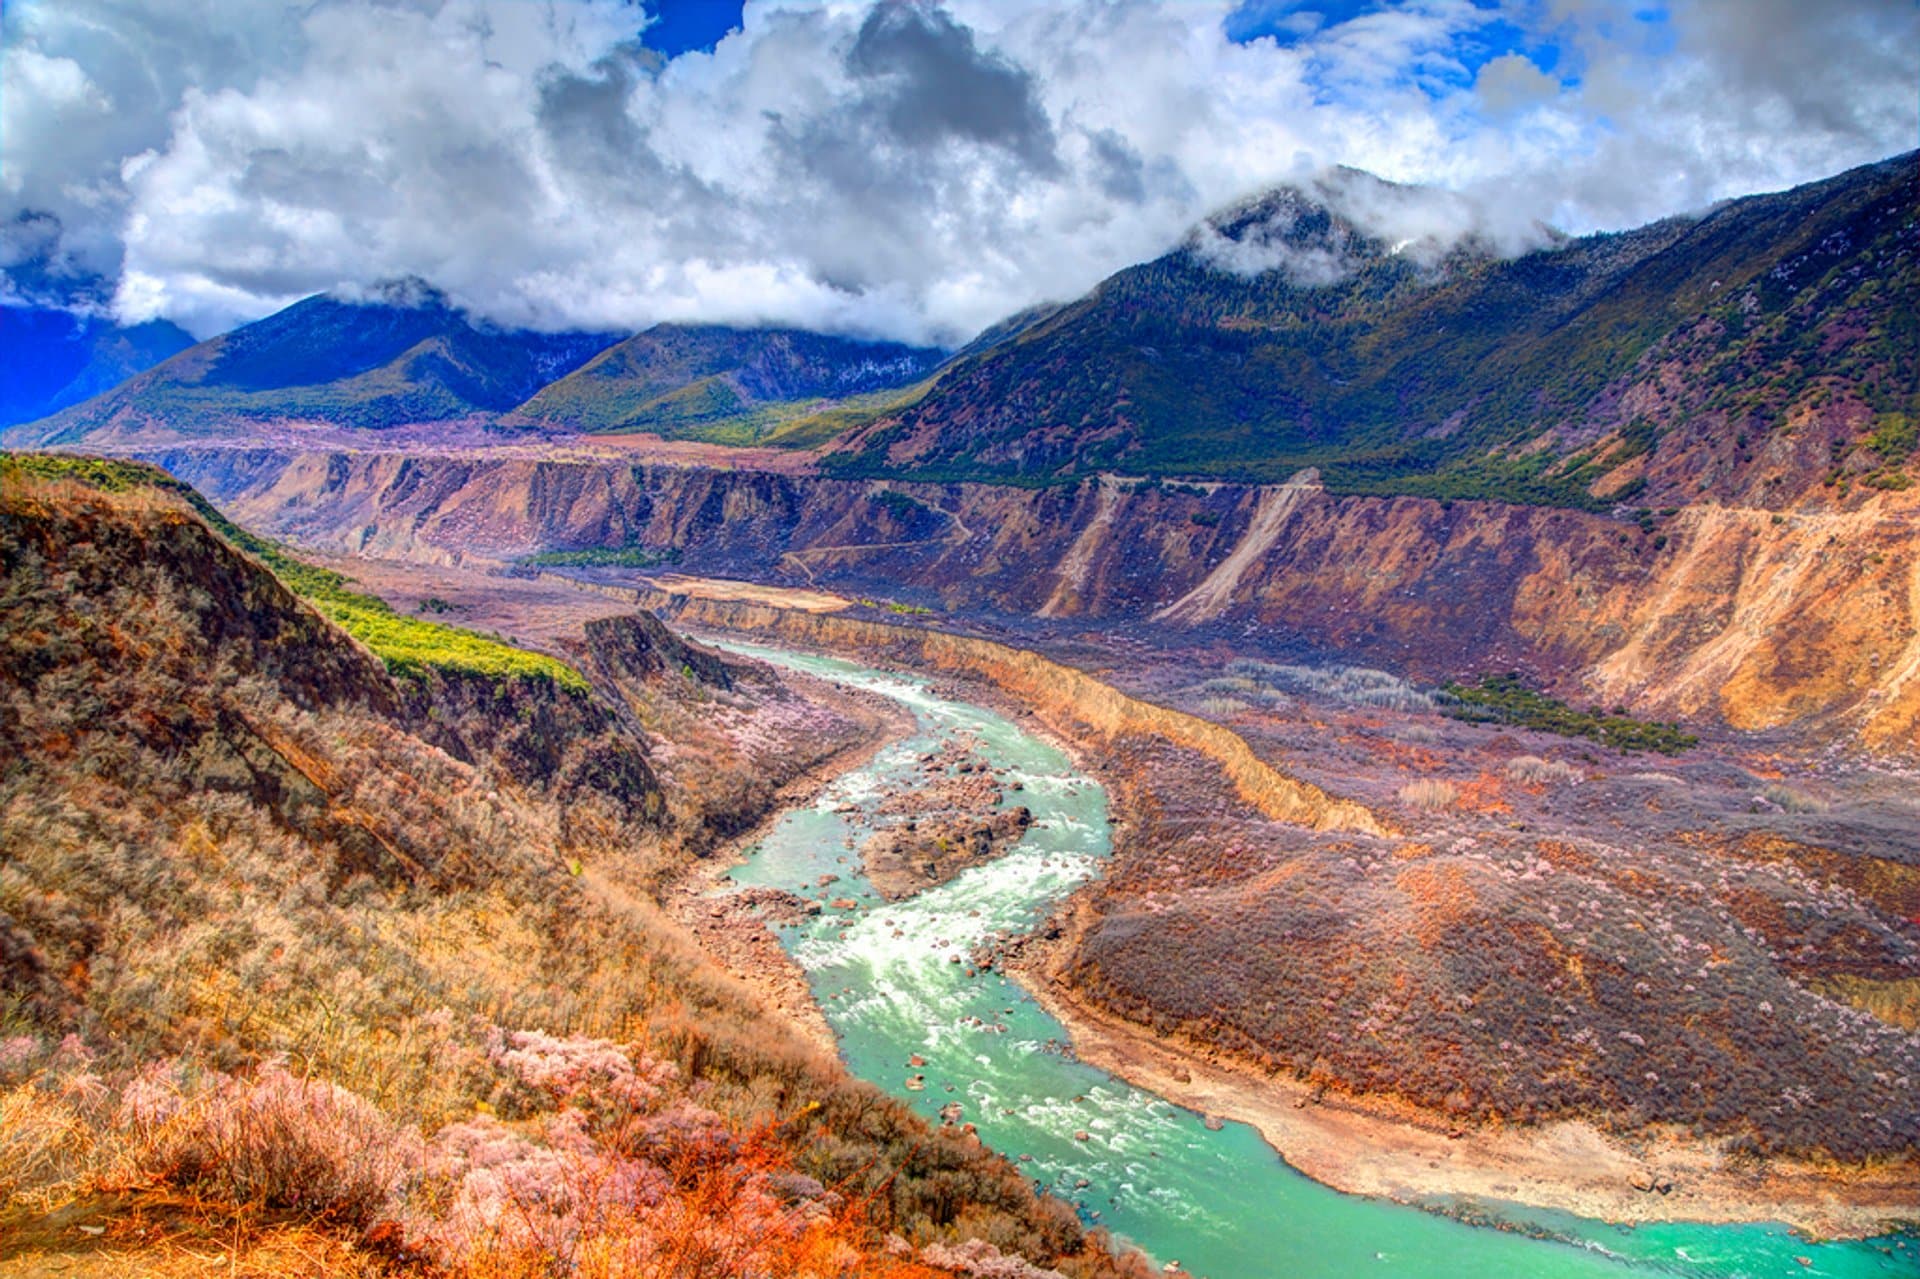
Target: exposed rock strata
(1802, 613)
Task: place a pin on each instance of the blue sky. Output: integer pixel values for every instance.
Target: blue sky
(680, 26)
(683, 25)
(1501, 28)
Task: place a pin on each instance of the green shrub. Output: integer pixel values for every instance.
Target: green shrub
(605, 557)
(1894, 437)
(1504, 699)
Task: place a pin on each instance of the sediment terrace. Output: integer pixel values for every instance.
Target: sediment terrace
(1069, 701)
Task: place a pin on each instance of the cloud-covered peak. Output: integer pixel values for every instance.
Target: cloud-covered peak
(1317, 229)
(882, 168)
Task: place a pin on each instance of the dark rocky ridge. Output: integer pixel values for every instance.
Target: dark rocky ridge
(640, 647)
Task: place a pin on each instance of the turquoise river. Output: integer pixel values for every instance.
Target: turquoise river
(1222, 1203)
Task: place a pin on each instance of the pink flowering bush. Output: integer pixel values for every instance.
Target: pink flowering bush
(287, 1142)
(597, 1076)
(19, 1057)
(488, 1189)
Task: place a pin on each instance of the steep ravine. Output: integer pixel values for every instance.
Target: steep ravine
(1805, 617)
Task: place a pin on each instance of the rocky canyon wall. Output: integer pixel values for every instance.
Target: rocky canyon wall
(1807, 617)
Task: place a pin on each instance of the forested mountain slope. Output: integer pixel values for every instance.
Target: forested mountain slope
(1753, 352)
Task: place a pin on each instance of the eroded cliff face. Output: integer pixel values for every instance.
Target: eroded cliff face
(1806, 616)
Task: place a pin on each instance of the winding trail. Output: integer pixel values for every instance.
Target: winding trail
(958, 533)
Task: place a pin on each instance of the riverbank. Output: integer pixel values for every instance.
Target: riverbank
(910, 1014)
(1376, 1147)
(1371, 1147)
(1364, 1148)
(731, 926)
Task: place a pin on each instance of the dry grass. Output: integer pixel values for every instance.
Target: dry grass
(1531, 770)
(1429, 792)
(167, 1235)
(282, 943)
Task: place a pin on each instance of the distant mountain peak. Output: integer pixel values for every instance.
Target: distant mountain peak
(1319, 228)
(394, 353)
(406, 292)
(55, 357)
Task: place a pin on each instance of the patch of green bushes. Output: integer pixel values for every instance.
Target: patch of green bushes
(901, 506)
(605, 557)
(1505, 699)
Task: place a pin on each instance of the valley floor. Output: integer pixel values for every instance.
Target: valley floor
(1357, 1142)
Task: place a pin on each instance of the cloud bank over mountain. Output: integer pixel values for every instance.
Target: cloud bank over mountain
(907, 170)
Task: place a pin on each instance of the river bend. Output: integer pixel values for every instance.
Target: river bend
(1222, 1203)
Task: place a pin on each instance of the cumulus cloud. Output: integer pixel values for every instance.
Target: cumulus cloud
(902, 168)
(1512, 82)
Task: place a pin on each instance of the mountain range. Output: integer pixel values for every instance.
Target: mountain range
(58, 358)
(404, 355)
(1548, 377)
(1757, 350)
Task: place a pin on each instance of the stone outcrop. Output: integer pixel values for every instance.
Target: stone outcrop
(917, 855)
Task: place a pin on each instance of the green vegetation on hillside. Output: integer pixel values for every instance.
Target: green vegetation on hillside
(812, 424)
(604, 557)
(1483, 378)
(1504, 699)
(1892, 440)
(736, 387)
(409, 646)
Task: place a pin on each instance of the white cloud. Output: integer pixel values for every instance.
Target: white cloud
(1511, 82)
(905, 170)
